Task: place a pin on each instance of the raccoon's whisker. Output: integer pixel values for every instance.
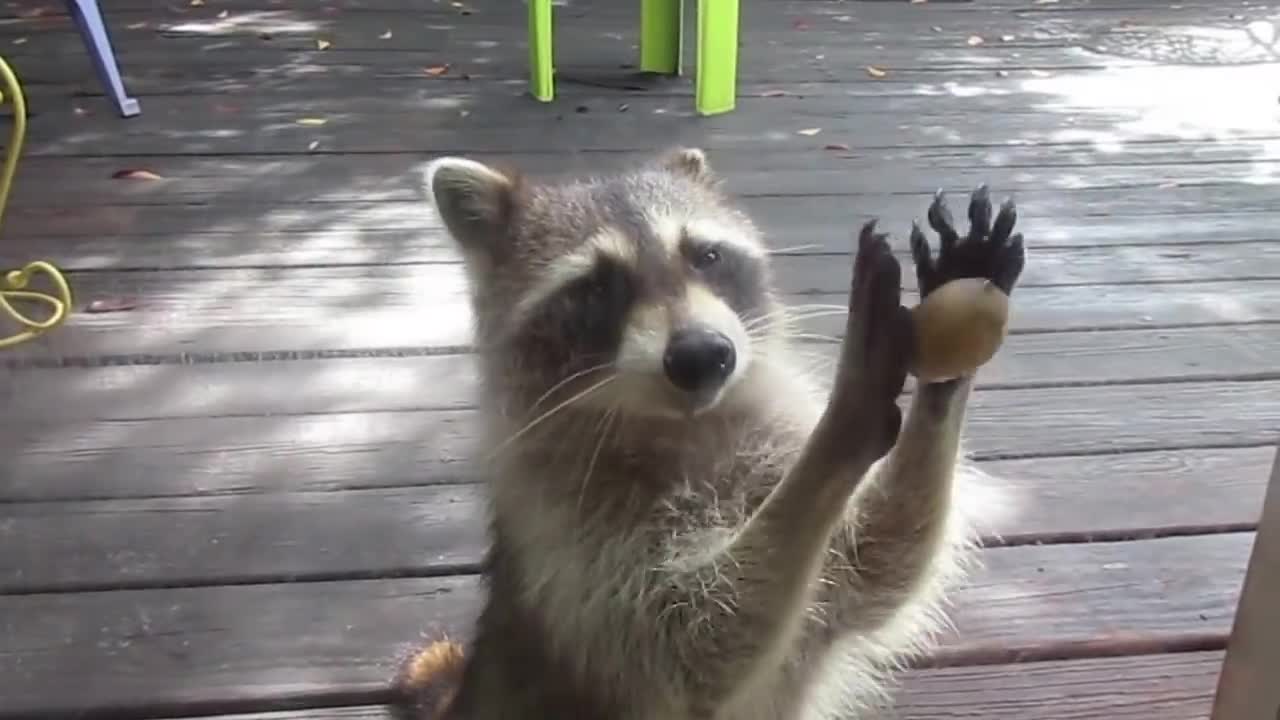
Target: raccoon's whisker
(782, 319)
(566, 381)
(794, 248)
(521, 432)
(793, 311)
(606, 424)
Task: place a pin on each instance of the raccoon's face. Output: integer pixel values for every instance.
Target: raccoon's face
(645, 291)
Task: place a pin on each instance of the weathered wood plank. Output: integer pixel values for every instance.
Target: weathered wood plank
(1084, 217)
(1170, 687)
(363, 178)
(760, 123)
(243, 644)
(132, 391)
(1176, 686)
(312, 243)
(439, 529)
(220, 312)
(65, 459)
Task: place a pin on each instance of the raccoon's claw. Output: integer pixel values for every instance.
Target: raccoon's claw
(988, 250)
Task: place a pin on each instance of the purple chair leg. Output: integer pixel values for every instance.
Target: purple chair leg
(94, 31)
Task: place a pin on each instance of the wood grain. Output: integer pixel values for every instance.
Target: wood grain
(288, 536)
(67, 459)
(1170, 687)
(340, 639)
(360, 382)
(349, 308)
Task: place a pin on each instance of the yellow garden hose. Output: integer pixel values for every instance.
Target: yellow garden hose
(15, 284)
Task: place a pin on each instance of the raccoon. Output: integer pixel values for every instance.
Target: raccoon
(684, 523)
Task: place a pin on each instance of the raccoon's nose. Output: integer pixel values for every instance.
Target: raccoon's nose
(698, 359)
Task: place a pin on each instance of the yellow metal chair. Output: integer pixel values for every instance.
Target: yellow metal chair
(661, 41)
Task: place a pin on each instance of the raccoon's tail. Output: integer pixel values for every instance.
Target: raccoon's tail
(427, 682)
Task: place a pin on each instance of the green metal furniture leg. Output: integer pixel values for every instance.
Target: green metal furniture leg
(541, 57)
(716, 83)
(661, 36)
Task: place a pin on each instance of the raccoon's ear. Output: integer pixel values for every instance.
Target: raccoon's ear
(690, 162)
(474, 201)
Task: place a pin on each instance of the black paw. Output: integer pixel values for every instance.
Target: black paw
(878, 340)
(989, 250)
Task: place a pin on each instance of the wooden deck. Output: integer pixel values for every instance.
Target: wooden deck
(246, 489)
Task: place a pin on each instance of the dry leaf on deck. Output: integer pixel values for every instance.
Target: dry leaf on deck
(311, 121)
(313, 145)
(323, 44)
(875, 72)
(135, 174)
(809, 131)
(436, 70)
(115, 304)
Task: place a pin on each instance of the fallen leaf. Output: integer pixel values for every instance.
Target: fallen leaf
(875, 72)
(774, 93)
(311, 121)
(974, 40)
(135, 174)
(836, 146)
(313, 145)
(323, 44)
(437, 70)
(20, 41)
(385, 36)
(115, 304)
(809, 131)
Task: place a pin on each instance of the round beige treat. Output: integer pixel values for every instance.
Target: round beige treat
(959, 327)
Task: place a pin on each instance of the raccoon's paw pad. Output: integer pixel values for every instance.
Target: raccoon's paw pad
(989, 250)
(428, 679)
(878, 337)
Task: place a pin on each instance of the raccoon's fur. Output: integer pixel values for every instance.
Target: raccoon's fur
(683, 525)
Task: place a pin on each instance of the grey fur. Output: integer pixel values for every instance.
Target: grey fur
(766, 557)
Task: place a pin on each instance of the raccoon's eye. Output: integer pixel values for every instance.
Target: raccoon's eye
(706, 257)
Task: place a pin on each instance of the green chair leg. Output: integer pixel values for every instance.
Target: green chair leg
(661, 36)
(716, 88)
(541, 58)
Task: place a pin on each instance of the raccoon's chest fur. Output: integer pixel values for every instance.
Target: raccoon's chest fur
(585, 509)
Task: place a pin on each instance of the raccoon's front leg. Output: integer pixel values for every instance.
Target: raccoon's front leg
(901, 518)
(749, 599)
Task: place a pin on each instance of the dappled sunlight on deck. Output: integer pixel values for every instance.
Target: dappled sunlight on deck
(249, 483)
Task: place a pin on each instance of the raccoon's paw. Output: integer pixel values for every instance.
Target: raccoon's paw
(991, 251)
(428, 680)
(877, 344)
